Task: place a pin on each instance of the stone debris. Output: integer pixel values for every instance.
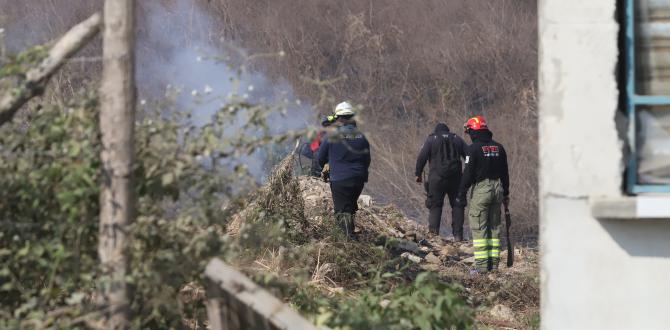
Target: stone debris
(469, 261)
(449, 250)
(385, 226)
(502, 312)
(433, 259)
(408, 246)
(411, 257)
(365, 201)
(384, 303)
(466, 249)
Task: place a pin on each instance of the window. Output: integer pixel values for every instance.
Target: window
(648, 94)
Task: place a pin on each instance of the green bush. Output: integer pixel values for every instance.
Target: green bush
(50, 174)
(425, 303)
(49, 209)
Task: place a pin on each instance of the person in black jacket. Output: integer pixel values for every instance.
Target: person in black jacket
(347, 152)
(487, 173)
(443, 151)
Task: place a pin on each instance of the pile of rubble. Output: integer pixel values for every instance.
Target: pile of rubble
(507, 298)
(411, 238)
(511, 293)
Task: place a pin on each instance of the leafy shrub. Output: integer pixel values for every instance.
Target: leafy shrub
(49, 206)
(424, 303)
(49, 211)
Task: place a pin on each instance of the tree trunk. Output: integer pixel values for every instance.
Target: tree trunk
(117, 118)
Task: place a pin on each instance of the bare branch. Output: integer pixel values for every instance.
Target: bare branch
(37, 78)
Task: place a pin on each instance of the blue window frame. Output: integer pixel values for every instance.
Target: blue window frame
(647, 98)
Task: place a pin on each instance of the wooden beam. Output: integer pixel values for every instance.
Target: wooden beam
(37, 78)
(235, 302)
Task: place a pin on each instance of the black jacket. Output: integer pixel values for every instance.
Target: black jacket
(486, 159)
(428, 152)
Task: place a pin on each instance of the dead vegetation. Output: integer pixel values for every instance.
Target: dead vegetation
(409, 64)
(314, 253)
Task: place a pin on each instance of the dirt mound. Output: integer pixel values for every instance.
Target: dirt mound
(507, 298)
(513, 290)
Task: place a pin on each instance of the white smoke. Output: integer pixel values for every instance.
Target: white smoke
(178, 45)
(180, 49)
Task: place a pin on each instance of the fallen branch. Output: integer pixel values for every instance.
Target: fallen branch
(37, 78)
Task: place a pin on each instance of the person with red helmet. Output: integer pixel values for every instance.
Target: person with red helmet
(486, 171)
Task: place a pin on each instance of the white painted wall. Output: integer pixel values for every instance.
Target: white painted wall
(596, 274)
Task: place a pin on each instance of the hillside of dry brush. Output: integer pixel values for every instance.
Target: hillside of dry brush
(408, 64)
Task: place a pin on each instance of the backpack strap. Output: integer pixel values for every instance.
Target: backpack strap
(452, 147)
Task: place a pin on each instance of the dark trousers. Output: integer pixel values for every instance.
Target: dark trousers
(346, 193)
(437, 188)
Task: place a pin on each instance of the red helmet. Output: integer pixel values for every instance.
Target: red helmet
(475, 123)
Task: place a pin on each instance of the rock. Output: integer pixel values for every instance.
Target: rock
(449, 250)
(502, 312)
(338, 290)
(411, 257)
(365, 201)
(384, 303)
(408, 246)
(466, 249)
(433, 259)
(411, 235)
(470, 260)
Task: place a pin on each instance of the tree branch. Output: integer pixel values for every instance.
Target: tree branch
(37, 78)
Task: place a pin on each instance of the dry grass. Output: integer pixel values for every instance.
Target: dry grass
(322, 259)
(409, 64)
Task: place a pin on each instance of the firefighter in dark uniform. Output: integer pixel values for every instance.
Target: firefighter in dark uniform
(347, 153)
(487, 173)
(443, 151)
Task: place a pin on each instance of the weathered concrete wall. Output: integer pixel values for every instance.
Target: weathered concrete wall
(596, 274)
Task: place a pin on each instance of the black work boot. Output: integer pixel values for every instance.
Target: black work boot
(339, 217)
(457, 219)
(349, 226)
(346, 224)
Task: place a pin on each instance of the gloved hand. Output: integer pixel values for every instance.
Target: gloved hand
(506, 201)
(325, 173)
(419, 179)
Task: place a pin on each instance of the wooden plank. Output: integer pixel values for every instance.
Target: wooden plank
(214, 307)
(242, 304)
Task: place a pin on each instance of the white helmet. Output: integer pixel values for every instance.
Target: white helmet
(344, 109)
